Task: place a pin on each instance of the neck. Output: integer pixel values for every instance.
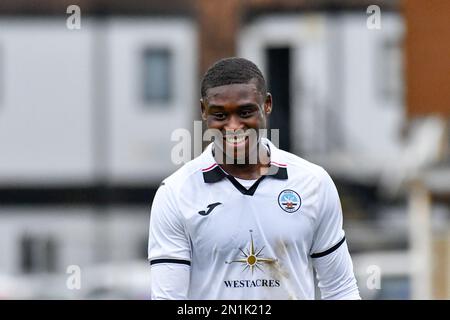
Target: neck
(243, 171)
(248, 171)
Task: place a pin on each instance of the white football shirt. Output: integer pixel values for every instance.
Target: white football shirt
(256, 242)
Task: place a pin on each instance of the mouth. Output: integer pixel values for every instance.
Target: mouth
(236, 140)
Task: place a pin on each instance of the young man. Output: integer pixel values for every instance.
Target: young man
(246, 220)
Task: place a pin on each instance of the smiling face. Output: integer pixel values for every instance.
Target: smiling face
(235, 110)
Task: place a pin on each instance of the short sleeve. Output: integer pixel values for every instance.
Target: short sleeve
(168, 240)
(329, 234)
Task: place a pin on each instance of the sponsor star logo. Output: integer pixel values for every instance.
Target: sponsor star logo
(252, 258)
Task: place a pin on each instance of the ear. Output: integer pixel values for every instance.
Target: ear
(203, 109)
(268, 104)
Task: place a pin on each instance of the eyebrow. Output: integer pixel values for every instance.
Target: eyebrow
(243, 106)
(248, 105)
(214, 106)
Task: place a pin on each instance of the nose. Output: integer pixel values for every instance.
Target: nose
(233, 123)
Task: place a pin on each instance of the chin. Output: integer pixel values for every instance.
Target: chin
(242, 157)
(238, 154)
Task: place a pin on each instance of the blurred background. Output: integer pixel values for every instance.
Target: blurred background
(88, 106)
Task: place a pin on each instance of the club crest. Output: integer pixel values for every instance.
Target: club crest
(289, 201)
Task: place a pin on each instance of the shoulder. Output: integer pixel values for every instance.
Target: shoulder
(304, 169)
(189, 173)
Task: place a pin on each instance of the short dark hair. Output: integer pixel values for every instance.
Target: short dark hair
(230, 71)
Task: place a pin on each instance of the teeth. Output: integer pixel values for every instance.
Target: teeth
(235, 139)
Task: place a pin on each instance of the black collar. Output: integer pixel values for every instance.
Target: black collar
(216, 174)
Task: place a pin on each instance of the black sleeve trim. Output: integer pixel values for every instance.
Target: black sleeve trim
(156, 261)
(333, 248)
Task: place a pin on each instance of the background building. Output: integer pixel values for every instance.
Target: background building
(87, 118)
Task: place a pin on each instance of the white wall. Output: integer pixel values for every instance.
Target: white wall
(372, 122)
(55, 81)
(306, 35)
(45, 102)
(73, 230)
(83, 236)
(128, 227)
(339, 118)
(140, 135)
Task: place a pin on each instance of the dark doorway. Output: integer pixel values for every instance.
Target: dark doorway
(38, 254)
(279, 84)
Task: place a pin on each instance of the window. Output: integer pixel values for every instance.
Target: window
(390, 77)
(157, 65)
(38, 254)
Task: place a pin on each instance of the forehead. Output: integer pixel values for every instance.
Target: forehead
(233, 94)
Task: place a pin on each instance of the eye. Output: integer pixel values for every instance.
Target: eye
(246, 113)
(219, 115)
